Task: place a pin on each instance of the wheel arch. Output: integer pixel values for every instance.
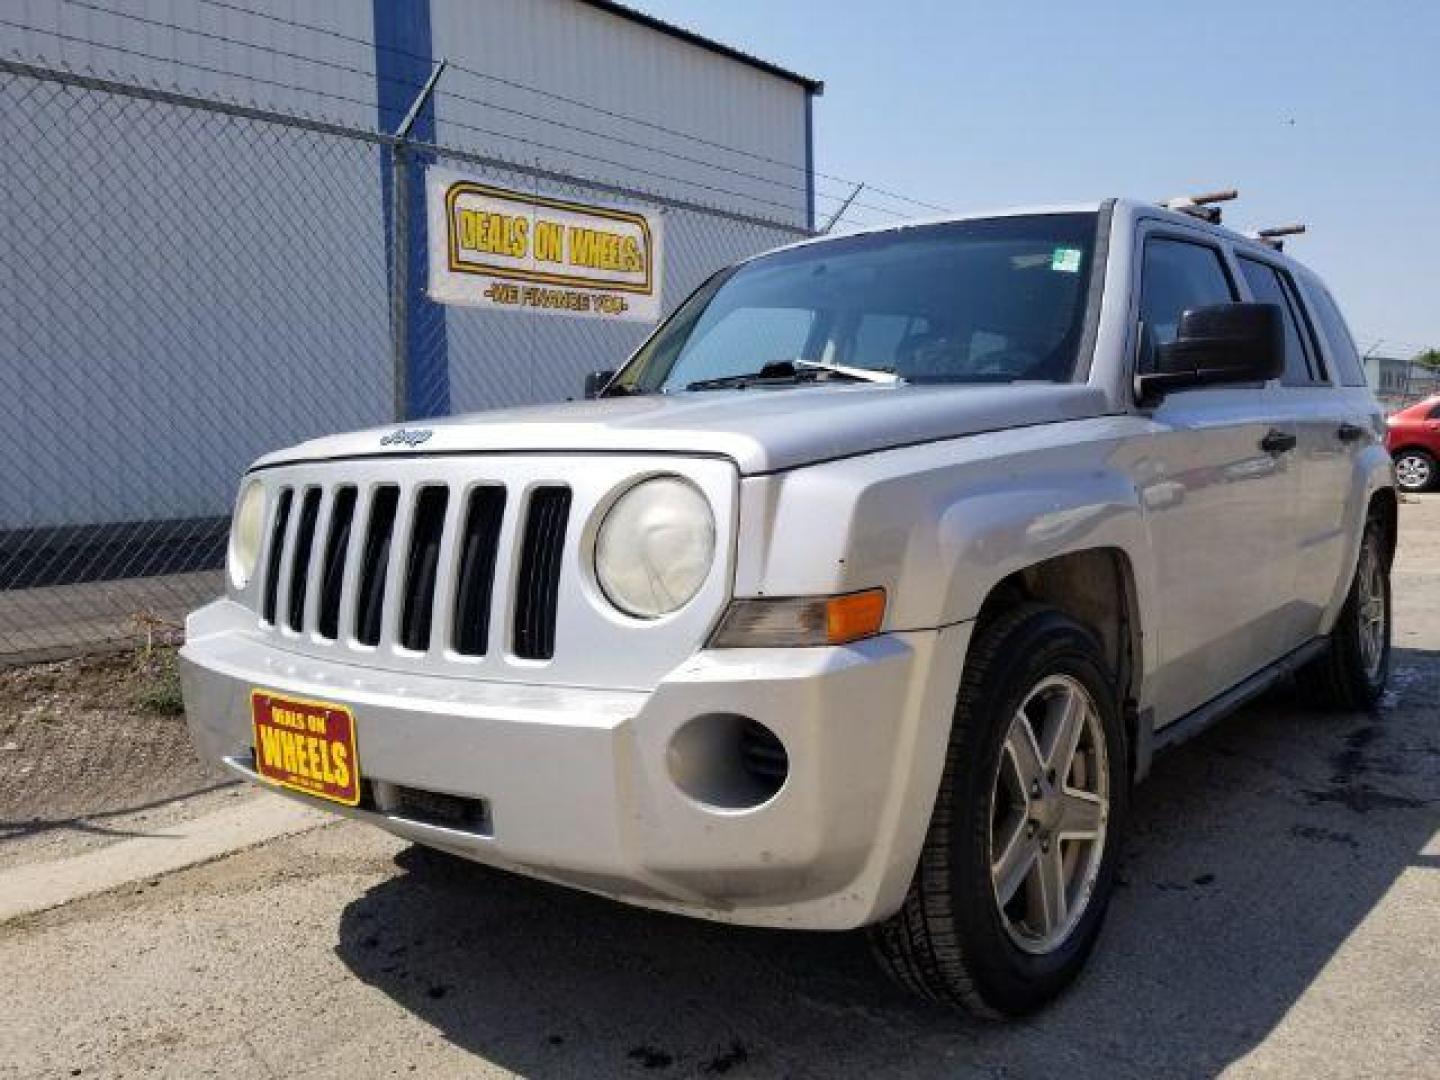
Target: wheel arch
(1385, 507)
(1408, 447)
(1097, 587)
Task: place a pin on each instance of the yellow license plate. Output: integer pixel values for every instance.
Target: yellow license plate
(306, 746)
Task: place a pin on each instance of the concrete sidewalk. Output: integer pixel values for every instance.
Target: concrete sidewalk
(28, 889)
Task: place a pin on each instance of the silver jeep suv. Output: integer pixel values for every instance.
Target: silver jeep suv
(859, 597)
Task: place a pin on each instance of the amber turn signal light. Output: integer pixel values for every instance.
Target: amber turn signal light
(854, 616)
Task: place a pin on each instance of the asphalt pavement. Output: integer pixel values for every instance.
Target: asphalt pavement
(1279, 915)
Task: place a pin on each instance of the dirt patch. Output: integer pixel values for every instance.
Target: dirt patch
(91, 738)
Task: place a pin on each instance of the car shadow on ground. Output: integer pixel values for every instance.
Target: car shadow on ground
(1255, 851)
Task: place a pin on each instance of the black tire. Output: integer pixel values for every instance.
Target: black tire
(948, 941)
(1339, 679)
(1420, 477)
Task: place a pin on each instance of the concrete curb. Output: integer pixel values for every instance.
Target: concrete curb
(25, 890)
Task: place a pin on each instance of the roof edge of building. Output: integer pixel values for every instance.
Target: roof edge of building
(625, 11)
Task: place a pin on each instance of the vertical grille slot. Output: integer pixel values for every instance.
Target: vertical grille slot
(300, 561)
(332, 570)
(374, 562)
(538, 586)
(479, 542)
(276, 550)
(420, 567)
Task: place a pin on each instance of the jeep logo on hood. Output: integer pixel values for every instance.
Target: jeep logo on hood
(406, 437)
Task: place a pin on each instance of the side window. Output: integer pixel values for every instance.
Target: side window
(1178, 275)
(1269, 287)
(1342, 346)
(1434, 413)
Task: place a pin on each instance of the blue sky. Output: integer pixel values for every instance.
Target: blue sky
(1324, 111)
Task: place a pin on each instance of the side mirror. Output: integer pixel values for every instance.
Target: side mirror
(595, 383)
(1215, 346)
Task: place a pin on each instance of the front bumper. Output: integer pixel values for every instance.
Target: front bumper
(576, 781)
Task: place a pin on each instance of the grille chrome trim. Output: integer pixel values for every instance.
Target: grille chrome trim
(445, 573)
(395, 572)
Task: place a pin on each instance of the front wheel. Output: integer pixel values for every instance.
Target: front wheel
(1414, 470)
(1019, 862)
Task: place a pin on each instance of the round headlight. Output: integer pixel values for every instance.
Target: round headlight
(245, 533)
(655, 547)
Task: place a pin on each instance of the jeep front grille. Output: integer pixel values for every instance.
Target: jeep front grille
(332, 550)
(468, 566)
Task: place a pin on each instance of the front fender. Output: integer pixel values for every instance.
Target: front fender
(939, 526)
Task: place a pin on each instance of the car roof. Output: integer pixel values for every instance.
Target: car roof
(1132, 207)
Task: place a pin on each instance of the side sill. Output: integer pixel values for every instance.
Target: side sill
(1217, 708)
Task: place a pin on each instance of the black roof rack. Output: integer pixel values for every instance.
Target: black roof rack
(1201, 206)
(1272, 237)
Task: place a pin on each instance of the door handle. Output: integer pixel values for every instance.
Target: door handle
(1350, 432)
(1276, 442)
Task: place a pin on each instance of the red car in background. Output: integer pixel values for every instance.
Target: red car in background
(1413, 438)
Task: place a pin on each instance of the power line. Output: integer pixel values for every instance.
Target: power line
(417, 85)
(224, 73)
(586, 105)
(624, 166)
(368, 105)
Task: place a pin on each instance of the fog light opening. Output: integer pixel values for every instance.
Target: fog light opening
(728, 762)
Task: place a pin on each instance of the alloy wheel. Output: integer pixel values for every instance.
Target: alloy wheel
(1412, 472)
(1049, 806)
(1372, 609)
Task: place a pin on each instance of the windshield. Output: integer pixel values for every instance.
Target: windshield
(993, 300)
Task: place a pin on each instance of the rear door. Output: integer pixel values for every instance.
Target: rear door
(1218, 483)
(1324, 457)
(1341, 490)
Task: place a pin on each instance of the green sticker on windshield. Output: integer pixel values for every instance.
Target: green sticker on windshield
(1066, 260)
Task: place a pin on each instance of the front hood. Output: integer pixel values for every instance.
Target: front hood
(760, 430)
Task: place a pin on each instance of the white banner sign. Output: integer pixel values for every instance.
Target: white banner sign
(490, 247)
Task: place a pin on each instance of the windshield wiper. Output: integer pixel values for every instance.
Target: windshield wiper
(794, 372)
(856, 374)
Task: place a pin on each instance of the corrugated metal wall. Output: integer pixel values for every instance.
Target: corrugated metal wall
(225, 286)
(621, 72)
(624, 97)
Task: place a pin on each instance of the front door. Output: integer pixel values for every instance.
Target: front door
(1220, 491)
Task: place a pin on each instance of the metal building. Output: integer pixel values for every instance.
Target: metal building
(189, 280)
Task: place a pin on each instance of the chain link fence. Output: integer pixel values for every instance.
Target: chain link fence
(188, 283)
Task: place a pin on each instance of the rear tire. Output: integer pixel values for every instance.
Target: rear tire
(955, 939)
(1351, 674)
(1414, 471)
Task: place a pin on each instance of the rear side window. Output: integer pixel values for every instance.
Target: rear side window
(1337, 335)
(1177, 276)
(1272, 286)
